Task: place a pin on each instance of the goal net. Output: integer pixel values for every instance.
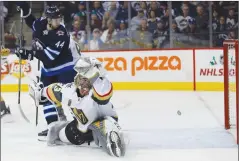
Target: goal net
(230, 56)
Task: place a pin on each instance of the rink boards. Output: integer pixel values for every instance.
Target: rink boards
(166, 69)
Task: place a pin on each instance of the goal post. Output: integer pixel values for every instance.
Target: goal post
(231, 80)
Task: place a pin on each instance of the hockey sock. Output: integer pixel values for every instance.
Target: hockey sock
(50, 112)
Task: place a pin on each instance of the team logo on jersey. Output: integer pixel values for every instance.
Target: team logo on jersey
(15, 68)
(80, 116)
(45, 32)
(60, 33)
(4, 70)
(57, 88)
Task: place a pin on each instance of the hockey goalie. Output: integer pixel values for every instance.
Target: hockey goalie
(88, 101)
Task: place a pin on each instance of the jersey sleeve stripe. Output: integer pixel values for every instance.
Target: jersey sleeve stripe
(53, 51)
(48, 54)
(51, 96)
(102, 99)
(110, 91)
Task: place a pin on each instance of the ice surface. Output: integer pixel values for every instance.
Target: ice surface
(150, 121)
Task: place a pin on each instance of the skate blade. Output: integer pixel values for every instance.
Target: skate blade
(41, 138)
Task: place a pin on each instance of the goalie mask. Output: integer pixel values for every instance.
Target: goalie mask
(83, 84)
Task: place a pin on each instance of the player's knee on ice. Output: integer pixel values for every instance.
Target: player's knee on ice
(53, 132)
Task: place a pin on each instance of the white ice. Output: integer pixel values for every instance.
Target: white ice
(150, 121)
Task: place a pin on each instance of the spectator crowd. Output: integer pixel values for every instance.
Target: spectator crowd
(116, 25)
(6, 10)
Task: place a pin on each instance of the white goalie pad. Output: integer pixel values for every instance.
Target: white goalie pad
(35, 91)
(111, 125)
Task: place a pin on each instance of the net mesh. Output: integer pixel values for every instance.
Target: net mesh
(232, 83)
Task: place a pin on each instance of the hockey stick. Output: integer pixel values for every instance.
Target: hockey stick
(38, 80)
(20, 70)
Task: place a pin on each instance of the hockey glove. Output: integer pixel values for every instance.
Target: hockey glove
(24, 54)
(99, 65)
(88, 66)
(37, 45)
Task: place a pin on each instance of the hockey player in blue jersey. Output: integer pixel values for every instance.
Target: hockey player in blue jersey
(51, 46)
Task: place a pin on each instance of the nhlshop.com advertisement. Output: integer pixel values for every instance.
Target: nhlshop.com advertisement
(209, 65)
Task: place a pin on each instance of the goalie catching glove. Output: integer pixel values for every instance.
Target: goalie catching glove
(89, 67)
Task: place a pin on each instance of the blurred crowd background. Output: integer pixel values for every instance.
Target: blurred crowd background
(104, 25)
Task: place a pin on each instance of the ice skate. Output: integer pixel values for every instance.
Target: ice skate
(5, 111)
(42, 135)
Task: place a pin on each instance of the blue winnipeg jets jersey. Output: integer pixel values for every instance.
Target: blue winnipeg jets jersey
(56, 55)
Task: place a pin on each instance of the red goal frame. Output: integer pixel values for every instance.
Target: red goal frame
(226, 44)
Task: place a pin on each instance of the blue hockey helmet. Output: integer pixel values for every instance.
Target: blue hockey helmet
(53, 12)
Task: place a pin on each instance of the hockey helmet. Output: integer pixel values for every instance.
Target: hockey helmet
(53, 12)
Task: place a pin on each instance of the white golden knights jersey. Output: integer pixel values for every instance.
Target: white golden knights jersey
(87, 109)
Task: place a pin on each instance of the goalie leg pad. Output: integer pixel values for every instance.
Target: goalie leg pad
(53, 132)
(108, 134)
(115, 144)
(35, 91)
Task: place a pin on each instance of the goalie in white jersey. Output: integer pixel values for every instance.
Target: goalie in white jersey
(88, 100)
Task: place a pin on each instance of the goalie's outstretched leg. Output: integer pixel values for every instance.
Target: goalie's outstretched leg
(107, 133)
(115, 144)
